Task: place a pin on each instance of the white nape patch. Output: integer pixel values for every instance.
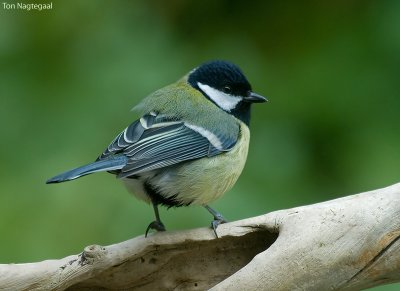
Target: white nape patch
(225, 101)
(212, 138)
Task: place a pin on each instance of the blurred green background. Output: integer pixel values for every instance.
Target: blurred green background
(69, 76)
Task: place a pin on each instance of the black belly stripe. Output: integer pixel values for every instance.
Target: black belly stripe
(155, 195)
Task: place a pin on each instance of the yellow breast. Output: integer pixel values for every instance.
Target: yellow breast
(202, 181)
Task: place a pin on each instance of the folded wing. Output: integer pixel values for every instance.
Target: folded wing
(156, 141)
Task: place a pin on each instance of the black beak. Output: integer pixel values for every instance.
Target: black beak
(255, 98)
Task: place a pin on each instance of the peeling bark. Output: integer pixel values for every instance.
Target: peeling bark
(349, 243)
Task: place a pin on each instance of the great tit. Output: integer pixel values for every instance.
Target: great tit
(190, 145)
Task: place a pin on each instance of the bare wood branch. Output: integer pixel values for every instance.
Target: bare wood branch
(349, 243)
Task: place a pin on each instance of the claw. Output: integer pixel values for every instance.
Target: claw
(215, 223)
(156, 225)
(218, 219)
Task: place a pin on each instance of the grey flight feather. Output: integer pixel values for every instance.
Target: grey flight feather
(153, 142)
(167, 146)
(157, 141)
(109, 164)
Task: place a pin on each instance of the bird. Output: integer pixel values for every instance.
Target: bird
(188, 147)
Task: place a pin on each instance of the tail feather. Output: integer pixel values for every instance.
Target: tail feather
(113, 163)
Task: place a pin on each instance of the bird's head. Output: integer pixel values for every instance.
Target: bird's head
(224, 84)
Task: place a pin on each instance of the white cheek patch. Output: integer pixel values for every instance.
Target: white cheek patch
(223, 100)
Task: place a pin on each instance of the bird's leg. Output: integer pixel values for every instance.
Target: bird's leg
(157, 224)
(218, 219)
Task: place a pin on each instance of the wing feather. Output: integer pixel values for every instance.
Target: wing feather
(155, 141)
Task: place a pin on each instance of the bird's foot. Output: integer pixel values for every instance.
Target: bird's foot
(218, 219)
(156, 225)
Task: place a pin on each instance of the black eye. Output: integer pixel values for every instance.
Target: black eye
(227, 89)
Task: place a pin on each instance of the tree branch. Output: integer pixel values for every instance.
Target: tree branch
(349, 243)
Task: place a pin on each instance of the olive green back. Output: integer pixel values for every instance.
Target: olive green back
(181, 101)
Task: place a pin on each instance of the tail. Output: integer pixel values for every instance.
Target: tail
(109, 164)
